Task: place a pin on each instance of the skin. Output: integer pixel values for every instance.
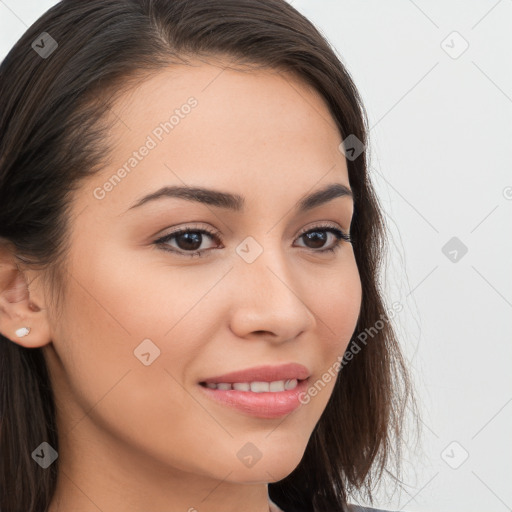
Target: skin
(138, 438)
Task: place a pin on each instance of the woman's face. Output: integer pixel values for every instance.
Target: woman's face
(144, 323)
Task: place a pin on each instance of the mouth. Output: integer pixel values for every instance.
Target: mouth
(260, 399)
(271, 374)
(276, 386)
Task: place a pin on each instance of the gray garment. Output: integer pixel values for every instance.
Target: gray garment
(351, 508)
(360, 508)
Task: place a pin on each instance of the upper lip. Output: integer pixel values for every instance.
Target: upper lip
(263, 374)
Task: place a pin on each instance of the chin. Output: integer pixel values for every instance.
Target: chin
(272, 470)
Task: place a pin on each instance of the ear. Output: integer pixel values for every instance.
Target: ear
(21, 303)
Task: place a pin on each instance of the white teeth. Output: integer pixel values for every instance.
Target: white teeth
(242, 386)
(256, 387)
(291, 384)
(277, 385)
(260, 387)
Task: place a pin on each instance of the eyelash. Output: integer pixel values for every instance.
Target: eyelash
(340, 236)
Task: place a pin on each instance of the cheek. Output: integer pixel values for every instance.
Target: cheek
(106, 384)
(153, 297)
(114, 303)
(337, 303)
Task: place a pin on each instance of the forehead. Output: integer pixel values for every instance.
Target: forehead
(230, 101)
(260, 130)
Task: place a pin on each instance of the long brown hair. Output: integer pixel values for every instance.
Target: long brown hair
(51, 137)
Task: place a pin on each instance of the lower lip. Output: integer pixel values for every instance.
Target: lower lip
(268, 405)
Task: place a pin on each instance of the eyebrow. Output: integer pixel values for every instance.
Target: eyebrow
(236, 202)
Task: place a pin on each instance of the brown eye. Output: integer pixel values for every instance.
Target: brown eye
(187, 240)
(317, 237)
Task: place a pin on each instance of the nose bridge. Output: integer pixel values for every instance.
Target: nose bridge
(268, 298)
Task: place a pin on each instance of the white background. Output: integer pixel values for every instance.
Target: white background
(441, 133)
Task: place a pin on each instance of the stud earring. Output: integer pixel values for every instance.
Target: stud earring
(22, 331)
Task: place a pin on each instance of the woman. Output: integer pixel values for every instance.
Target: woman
(189, 258)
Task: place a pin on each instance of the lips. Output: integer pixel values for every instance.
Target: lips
(262, 374)
(264, 405)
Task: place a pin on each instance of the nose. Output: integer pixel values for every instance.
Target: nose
(269, 300)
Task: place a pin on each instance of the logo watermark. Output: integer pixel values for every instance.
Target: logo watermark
(354, 348)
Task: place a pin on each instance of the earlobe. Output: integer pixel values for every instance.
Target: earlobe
(21, 319)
